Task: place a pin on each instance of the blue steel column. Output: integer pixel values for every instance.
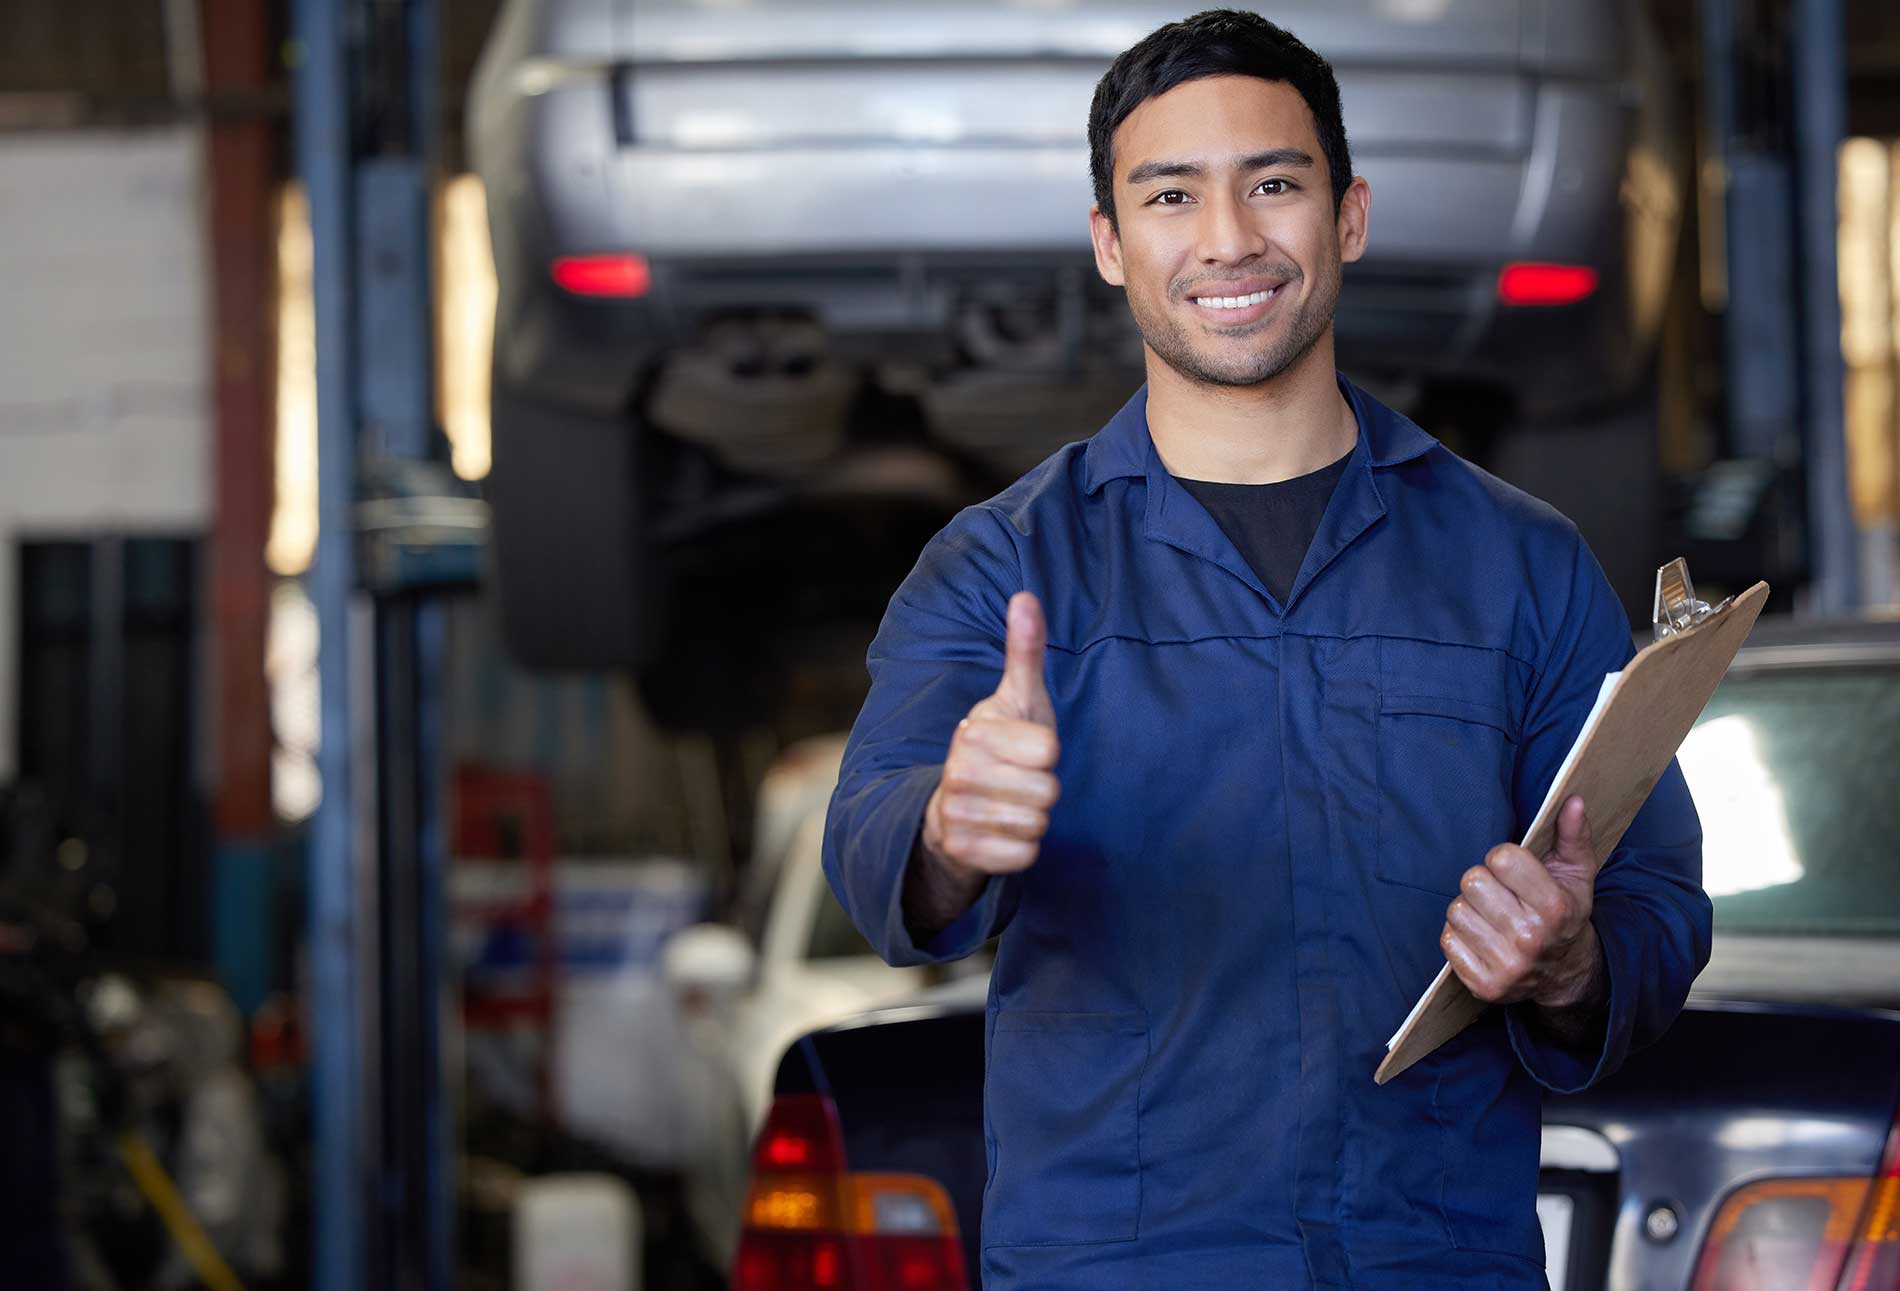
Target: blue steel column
(340, 1180)
(1761, 341)
(1820, 118)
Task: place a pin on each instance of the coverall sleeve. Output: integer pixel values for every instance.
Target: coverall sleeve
(938, 651)
(1651, 914)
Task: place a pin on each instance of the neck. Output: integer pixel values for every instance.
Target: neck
(1289, 425)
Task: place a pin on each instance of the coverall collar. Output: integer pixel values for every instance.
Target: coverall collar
(1125, 449)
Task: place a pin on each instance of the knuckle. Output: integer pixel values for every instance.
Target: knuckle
(1012, 851)
(1472, 879)
(1500, 856)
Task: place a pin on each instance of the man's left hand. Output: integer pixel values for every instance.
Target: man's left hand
(1520, 928)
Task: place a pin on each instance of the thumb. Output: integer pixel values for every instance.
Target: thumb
(1576, 844)
(1023, 687)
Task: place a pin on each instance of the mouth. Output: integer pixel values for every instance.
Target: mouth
(1230, 310)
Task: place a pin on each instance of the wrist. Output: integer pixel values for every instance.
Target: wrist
(1583, 985)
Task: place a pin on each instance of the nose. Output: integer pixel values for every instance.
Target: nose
(1226, 234)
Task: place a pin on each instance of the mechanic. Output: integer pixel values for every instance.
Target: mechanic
(1223, 719)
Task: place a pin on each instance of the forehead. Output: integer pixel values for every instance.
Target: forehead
(1213, 118)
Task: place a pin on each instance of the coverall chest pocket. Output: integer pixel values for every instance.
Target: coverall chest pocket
(1447, 746)
(1061, 1100)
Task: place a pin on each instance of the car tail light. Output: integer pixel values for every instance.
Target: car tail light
(1874, 1263)
(812, 1225)
(1791, 1233)
(1820, 1234)
(615, 275)
(1526, 283)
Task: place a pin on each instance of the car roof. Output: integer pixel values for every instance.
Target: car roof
(1786, 631)
(1810, 643)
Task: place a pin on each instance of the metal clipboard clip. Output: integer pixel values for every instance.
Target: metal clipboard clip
(1676, 608)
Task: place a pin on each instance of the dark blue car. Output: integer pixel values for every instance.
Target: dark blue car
(1754, 1148)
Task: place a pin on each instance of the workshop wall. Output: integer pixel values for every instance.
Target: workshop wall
(105, 410)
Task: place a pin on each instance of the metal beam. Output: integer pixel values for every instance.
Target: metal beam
(1820, 121)
(366, 123)
(341, 1181)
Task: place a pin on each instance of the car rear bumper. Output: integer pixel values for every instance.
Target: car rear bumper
(1436, 323)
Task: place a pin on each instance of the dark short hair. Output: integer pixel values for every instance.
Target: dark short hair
(1218, 42)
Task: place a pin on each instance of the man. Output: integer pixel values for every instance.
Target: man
(1223, 719)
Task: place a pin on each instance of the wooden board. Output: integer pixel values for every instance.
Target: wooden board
(1657, 699)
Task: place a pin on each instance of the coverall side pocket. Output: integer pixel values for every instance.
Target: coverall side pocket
(1063, 1093)
(1489, 1115)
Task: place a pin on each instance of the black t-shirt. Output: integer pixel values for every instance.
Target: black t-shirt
(1272, 525)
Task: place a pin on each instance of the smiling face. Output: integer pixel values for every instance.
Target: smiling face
(1226, 236)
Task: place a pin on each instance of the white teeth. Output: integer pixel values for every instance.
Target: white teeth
(1234, 302)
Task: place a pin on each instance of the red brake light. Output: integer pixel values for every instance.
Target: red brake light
(772, 1262)
(801, 1134)
(1527, 283)
(610, 275)
(811, 1225)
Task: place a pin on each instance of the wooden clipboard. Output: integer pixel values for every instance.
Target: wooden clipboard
(1640, 721)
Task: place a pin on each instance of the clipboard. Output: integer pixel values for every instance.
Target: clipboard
(1641, 717)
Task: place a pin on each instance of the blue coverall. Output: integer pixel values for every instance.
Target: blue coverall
(1265, 811)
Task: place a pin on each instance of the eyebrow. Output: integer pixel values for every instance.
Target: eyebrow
(1272, 157)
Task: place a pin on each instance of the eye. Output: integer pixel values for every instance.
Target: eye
(1275, 186)
(1167, 196)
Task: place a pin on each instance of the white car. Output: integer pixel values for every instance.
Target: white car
(744, 997)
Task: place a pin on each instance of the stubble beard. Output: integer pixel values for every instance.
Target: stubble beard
(1169, 337)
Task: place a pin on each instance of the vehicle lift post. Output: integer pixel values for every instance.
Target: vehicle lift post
(391, 540)
(1770, 173)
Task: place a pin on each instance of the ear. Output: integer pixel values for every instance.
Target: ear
(1108, 248)
(1354, 208)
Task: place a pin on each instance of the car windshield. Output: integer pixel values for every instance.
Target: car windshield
(1794, 775)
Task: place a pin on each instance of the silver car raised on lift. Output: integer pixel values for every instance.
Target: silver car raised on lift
(733, 237)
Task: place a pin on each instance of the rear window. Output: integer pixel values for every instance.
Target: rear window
(1796, 776)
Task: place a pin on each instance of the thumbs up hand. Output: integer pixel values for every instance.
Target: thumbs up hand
(991, 809)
